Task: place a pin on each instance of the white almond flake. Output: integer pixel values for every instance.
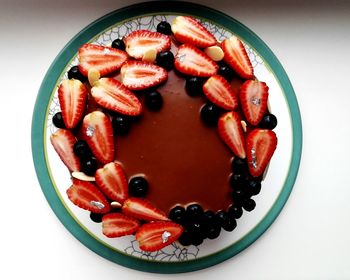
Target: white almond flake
(97, 204)
(106, 51)
(115, 204)
(165, 236)
(90, 131)
(82, 176)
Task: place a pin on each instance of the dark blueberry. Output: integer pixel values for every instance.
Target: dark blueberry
(118, 44)
(164, 27)
(235, 211)
(121, 125)
(96, 217)
(226, 72)
(81, 149)
(239, 165)
(238, 195)
(185, 238)
(154, 101)
(178, 214)
(236, 180)
(230, 224)
(253, 186)
(248, 204)
(166, 60)
(221, 217)
(194, 86)
(74, 73)
(57, 120)
(213, 231)
(210, 114)
(89, 166)
(194, 212)
(138, 186)
(197, 240)
(269, 121)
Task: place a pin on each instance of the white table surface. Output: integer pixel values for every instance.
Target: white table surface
(311, 237)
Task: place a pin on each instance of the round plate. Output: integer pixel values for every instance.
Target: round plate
(55, 179)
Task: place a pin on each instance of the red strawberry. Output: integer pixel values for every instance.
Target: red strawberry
(219, 91)
(112, 181)
(191, 61)
(237, 57)
(137, 75)
(72, 96)
(98, 133)
(63, 141)
(138, 42)
(87, 196)
(142, 209)
(113, 95)
(253, 96)
(105, 59)
(157, 235)
(117, 224)
(231, 132)
(261, 144)
(187, 30)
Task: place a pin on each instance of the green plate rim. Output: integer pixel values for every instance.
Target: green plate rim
(39, 122)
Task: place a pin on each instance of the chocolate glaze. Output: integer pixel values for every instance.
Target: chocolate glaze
(183, 160)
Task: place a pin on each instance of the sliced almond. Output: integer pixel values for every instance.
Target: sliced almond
(82, 176)
(150, 56)
(115, 204)
(93, 76)
(244, 126)
(214, 52)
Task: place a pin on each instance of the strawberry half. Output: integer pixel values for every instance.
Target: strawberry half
(191, 61)
(236, 56)
(117, 224)
(138, 75)
(253, 96)
(63, 141)
(138, 42)
(231, 132)
(112, 181)
(187, 30)
(72, 96)
(87, 196)
(143, 210)
(157, 235)
(105, 59)
(219, 91)
(261, 144)
(98, 133)
(113, 95)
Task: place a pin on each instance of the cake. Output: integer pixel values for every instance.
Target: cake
(167, 134)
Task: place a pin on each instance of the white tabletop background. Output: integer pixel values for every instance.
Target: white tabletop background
(311, 237)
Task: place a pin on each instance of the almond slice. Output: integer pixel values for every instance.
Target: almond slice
(244, 126)
(214, 52)
(150, 55)
(115, 204)
(93, 76)
(82, 176)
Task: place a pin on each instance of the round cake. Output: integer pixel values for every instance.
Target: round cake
(167, 134)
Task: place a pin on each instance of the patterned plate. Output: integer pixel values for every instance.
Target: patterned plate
(55, 179)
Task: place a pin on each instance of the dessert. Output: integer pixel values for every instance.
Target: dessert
(167, 134)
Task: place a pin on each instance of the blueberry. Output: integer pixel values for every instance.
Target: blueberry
(197, 234)
(82, 150)
(221, 217)
(178, 215)
(118, 44)
(239, 165)
(89, 166)
(166, 60)
(57, 120)
(236, 180)
(74, 73)
(96, 217)
(154, 101)
(164, 27)
(210, 114)
(253, 186)
(197, 240)
(194, 86)
(121, 125)
(138, 186)
(194, 212)
(235, 211)
(185, 238)
(238, 195)
(248, 204)
(226, 72)
(214, 231)
(230, 224)
(269, 121)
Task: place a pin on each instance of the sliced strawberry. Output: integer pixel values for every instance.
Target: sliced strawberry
(261, 144)
(253, 96)
(231, 132)
(117, 224)
(63, 141)
(219, 91)
(112, 181)
(187, 30)
(105, 59)
(87, 196)
(157, 235)
(113, 95)
(191, 61)
(137, 75)
(72, 96)
(236, 56)
(98, 133)
(142, 209)
(138, 42)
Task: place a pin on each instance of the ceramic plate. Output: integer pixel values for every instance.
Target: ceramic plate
(55, 179)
